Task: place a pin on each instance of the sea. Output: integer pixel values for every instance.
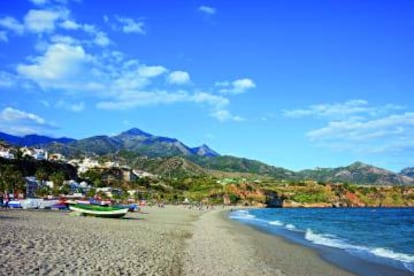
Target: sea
(366, 241)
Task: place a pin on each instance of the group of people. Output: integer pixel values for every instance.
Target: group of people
(4, 201)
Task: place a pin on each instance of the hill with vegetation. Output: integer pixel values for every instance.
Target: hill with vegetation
(168, 156)
(33, 139)
(358, 173)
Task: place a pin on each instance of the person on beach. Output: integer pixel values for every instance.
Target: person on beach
(6, 201)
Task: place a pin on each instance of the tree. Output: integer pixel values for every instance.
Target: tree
(57, 178)
(94, 177)
(11, 179)
(41, 174)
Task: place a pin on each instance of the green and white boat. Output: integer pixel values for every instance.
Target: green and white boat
(99, 211)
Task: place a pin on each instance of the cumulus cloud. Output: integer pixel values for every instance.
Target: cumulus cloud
(207, 10)
(129, 25)
(12, 24)
(61, 66)
(72, 65)
(63, 39)
(363, 129)
(132, 99)
(39, 21)
(339, 110)
(39, 2)
(12, 115)
(7, 79)
(178, 77)
(218, 102)
(102, 39)
(19, 122)
(118, 84)
(356, 125)
(70, 25)
(151, 71)
(225, 115)
(236, 87)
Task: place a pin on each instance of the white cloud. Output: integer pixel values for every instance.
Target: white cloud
(7, 79)
(39, 21)
(224, 116)
(63, 39)
(61, 65)
(39, 2)
(70, 25)
(207, 10)
(151, 71)
(10, 114)
(132, 99)
(328, 110)
(178, 77)
(99, 38)
(218, 102)
(360, 130)
(357, 126)
(340, 110)
(12, 24)
(102, 39)
(19, 122)
(236, 87)
(129, 25)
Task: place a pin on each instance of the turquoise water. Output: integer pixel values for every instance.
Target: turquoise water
(383, 235)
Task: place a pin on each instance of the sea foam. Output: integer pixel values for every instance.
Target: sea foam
(276, 223)
(332, 241)
(241, 215)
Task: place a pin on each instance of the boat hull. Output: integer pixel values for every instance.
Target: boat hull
(104, 212)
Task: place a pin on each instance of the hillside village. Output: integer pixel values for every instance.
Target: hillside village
(119, 172)
(35, 171)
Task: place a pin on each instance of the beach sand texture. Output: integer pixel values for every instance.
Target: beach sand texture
(159, 241)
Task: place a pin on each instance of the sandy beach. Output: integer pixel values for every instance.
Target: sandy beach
(157, 241)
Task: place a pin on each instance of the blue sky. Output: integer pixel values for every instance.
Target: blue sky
(297, 84)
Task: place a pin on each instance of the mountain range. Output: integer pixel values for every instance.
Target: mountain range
(32, 140)
(133, 140)
(169, 156)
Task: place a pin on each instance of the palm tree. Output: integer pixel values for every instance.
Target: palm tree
(11, 180)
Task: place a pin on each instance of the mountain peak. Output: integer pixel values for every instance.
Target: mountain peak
(359, 164)
(136, 132)
(205, 150)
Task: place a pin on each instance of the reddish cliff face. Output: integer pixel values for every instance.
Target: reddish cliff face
(353, 200)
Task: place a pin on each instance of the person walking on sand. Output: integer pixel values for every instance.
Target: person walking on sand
(6, 201)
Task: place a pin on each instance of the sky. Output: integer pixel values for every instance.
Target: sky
(297, 84)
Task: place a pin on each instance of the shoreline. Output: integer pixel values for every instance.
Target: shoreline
(330, 255)
(241, 250)
(157, 241)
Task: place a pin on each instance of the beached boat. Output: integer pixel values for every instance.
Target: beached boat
(99, 211)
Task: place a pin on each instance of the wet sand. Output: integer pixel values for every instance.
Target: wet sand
(159, 241)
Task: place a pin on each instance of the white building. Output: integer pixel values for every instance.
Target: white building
(140, 174)
(5, 153)
(87, 164)
(57, 157)
(38, 154)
